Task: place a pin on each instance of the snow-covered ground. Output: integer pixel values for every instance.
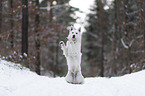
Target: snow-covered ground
(15, 81)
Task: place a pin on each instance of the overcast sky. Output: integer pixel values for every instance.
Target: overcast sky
(84, 6)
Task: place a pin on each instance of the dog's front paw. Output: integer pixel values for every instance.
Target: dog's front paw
(61, 43)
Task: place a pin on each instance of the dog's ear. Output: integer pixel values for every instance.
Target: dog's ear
(80, 29)
(71, 28)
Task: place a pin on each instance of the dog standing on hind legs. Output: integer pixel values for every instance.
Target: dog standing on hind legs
(72, 53)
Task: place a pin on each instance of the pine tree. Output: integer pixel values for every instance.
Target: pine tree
(56, 19)
(94, 43)
(122, 30)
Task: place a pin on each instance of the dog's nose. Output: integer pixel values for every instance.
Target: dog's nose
(73, 36)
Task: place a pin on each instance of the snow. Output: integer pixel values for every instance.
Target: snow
(16, 80)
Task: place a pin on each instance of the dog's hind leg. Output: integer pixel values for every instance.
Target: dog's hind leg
(79, 79)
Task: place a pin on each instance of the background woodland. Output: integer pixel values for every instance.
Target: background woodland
(113, 43)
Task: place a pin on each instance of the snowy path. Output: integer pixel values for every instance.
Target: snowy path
(17, 82)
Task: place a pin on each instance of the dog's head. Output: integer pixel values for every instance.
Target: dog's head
(74, 35)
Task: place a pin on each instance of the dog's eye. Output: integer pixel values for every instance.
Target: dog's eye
(72, 32)
(76, 33)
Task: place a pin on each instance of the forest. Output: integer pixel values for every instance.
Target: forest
(113, 43)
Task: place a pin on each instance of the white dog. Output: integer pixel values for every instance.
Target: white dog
(72, 52)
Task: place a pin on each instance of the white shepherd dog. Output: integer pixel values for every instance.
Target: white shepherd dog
(72, 52)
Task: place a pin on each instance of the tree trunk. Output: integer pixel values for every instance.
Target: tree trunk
(37, 42)
(50, 13)
(24, 26)
(102, 38)
(125, 54)
(129, 59)
(0, 18)
(115, 39)
(124, 17)
(113, 53)
(144, 26)
(11, 24)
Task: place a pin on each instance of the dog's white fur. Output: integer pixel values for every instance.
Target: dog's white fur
(72, 52)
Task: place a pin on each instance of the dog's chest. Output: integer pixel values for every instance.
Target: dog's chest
(73, 49)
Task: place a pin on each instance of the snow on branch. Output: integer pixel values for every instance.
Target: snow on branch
(131, 43)
(125, 46)
(140, 36)
(50, 7)
(132, 13)
(92, 34)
